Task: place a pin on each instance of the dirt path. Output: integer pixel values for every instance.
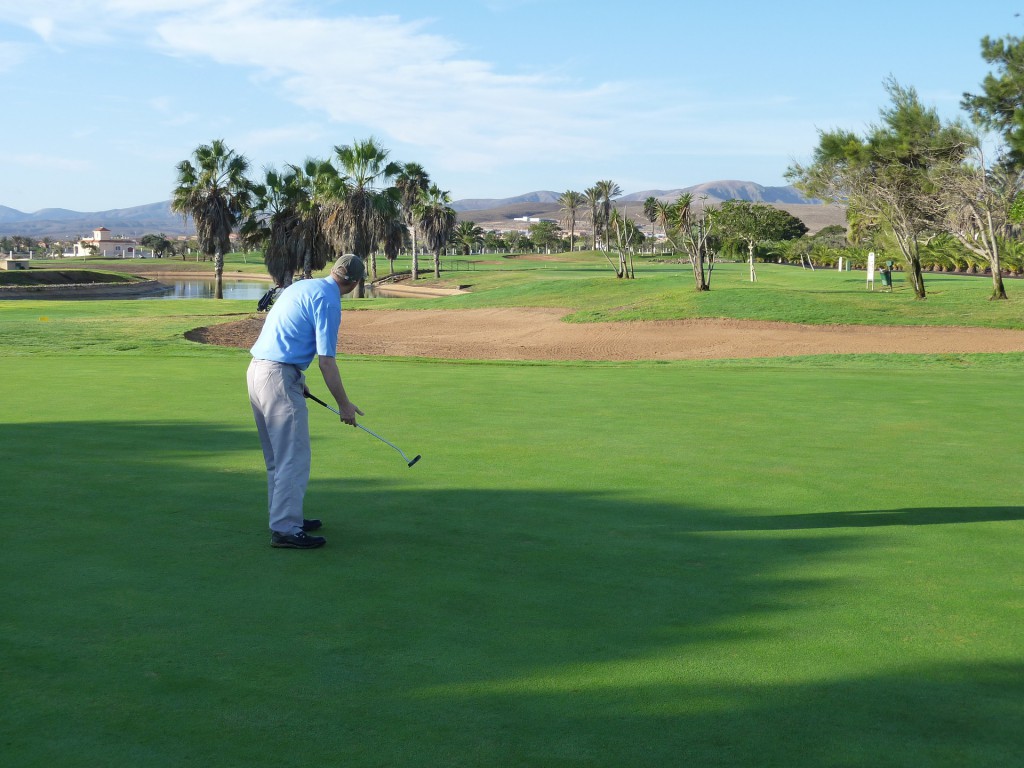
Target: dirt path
(539, 334)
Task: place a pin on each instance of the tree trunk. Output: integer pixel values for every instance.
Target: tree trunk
(998, 289)
(218, 272)
(753, 274)
(307, 263)
(437, 264)
(700, 282)
(415, 259)
(916, 276)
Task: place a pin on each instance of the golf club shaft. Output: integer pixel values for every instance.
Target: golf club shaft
(316, 399)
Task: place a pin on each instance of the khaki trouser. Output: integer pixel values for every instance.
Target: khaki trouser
(282, 420)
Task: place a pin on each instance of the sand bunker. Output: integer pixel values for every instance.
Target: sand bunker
(539, 334)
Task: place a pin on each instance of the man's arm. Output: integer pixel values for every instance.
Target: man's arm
(332, 378)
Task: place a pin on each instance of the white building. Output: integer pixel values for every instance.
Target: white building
(109, 247)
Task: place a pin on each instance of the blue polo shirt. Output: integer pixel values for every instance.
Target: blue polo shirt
(303, 322)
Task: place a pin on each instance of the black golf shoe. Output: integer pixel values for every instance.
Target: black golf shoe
(296, 540)
(311, 525)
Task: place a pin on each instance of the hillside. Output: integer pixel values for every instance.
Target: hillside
(502, 213)
(63, 224)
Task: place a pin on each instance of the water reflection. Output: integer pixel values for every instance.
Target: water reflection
(247, 290)
(206, 289)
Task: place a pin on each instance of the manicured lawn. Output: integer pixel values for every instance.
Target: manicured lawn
(793, 563)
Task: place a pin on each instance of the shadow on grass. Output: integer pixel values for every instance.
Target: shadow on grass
(871, 518)
(151, 624)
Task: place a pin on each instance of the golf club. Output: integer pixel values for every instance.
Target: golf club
(409, 462)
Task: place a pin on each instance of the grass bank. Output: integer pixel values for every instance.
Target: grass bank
(602, 565)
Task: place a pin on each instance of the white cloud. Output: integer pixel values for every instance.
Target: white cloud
(382, 74)
(406, 84)
(413, 87)
(43, 27)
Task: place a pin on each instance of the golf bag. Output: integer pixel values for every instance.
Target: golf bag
(267, 300)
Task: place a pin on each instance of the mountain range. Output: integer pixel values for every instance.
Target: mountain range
(716, 192)
(63, 224)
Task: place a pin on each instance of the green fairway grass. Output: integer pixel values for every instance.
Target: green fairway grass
(583, 284)
(807, 562)
(783, 293)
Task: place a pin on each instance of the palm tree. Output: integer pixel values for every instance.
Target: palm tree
(570, 202)
(395, 233)
(467, 236)
(411, 181)
(355, 213)
(436, 220)
(592, 195)
(690, 230)
(313, 184)
(284, 220)
(651, 214)
(627, 237)
(607, 190)
(267, 223)
(214, 192)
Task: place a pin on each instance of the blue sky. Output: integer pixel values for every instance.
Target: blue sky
(101, 98)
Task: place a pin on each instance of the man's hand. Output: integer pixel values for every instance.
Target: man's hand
(348, 412)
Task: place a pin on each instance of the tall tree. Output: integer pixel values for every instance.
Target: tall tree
(593, 198)
(973, 203)
(651, 213)
(689, 229)
(268, 223)
(886, 174)
(284, 219)
(1000, 105)
(607, 191)
(436, 219)
(212, 188)
(355, 215)
(411, 181)
(627, 237)
(570, 203)
(396, 233)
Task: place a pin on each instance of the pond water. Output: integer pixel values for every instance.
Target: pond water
(247, 290)
(203, 288)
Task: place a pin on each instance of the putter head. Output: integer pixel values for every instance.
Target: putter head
(416, 458)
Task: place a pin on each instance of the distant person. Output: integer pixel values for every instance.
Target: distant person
(303, 323)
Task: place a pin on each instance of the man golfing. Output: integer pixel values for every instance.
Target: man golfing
(302, 324)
